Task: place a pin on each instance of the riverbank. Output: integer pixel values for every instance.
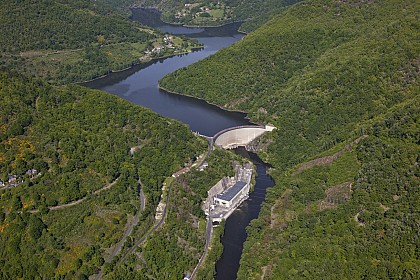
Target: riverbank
(97, 60)
(143, 88)
(202, 99)
(206, 24)
(235, 232)
(203, 26)
(143, 62)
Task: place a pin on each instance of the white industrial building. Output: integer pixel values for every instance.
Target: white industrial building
(224, 197)
(232, 195)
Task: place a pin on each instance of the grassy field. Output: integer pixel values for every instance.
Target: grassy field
(78, 65)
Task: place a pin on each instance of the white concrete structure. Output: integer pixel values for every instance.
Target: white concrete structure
(233, 195)
(224, 197)
(239, 136)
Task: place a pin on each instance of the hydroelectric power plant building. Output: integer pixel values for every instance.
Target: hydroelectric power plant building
(224, 197)
(232, 195)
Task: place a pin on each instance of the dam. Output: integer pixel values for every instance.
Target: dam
(224, 197)
(142, 88)
(234, 137)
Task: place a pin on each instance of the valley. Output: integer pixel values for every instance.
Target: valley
(101, 184)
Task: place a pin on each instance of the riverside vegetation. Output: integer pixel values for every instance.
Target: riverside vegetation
(73, 160)
(326, 73)
(75, 41)
(214, 13)
(89, 163)
(176, 248)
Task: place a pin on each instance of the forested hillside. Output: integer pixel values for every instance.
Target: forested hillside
(175, 249)
(72, 162)
(56, 25)
(315, 71)
(213, 13)
(74, 41)
(356, 217)
(340, 81)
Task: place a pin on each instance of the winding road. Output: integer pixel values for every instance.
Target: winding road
(210, 148)
(209, 227)
(127, 232)
(209, 233)
(129, 228)
(153, 229)
(58, 207)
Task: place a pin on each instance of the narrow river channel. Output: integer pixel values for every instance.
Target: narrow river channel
(235, 227)
(140, 86)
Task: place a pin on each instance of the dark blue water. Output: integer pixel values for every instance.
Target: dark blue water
(140, 84)
(235, 227)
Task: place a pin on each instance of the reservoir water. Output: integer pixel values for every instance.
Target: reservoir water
(140, 86)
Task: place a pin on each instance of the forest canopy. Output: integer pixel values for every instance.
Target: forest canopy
(75, 41)
(315, 71)
(340, 81)
(66, 144)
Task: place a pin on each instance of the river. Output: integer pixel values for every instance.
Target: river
(235, 227)
(140, 86)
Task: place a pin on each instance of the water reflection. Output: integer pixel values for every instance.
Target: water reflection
(140, 83)
(140, 86)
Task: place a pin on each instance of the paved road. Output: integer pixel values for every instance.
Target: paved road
(142, 200)
(165, 210)
(153, 229)
(58, 207)
(209, 232)
(209, 228)
(127, 232)
(210, 148)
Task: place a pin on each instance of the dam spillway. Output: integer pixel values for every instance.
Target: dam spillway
(239, 136)
(224, 197)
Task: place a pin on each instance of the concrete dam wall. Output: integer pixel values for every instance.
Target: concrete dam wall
(239, 136)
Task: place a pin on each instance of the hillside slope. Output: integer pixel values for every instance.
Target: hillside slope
(74, 41)
(356, 217)
(314, 71)
(327, 74)
(55, 25)
(69, 183)
(213, 13)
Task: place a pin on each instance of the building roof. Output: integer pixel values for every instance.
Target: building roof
(232, 192)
